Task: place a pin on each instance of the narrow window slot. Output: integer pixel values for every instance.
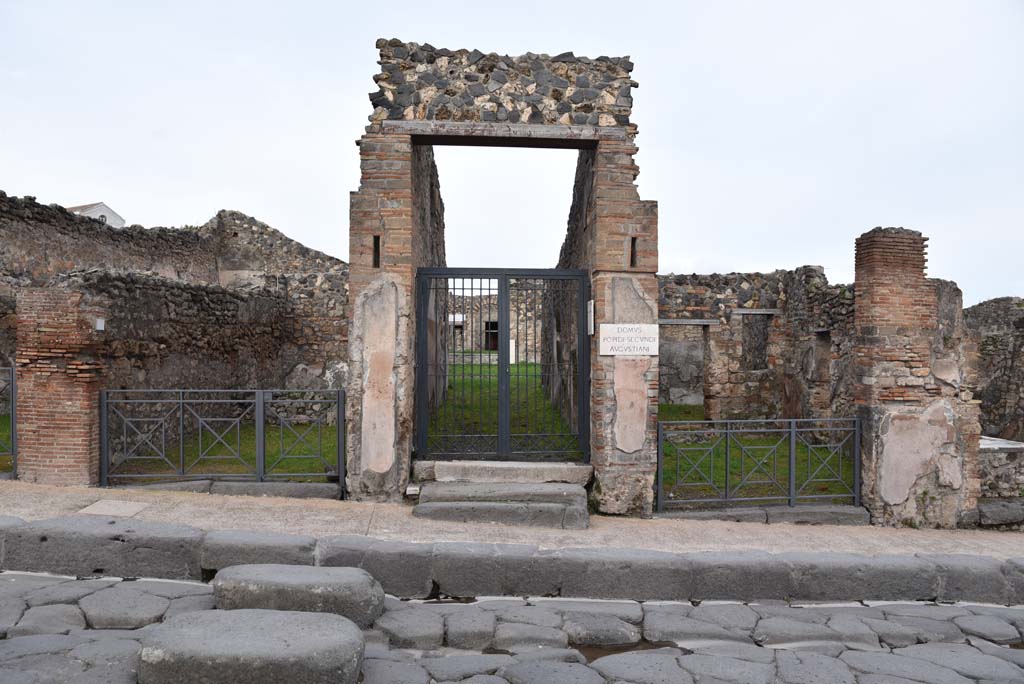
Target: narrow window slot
(376, 251)
(632, 252)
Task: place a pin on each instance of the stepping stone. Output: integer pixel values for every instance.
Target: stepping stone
(586, 629)
(349, 592)
(412, 628)
(56, 619)
(252, 646)
(122, 608)
(988, 627)
(393, 672)
(547, 672)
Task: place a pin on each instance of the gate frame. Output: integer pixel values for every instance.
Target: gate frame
(12, 388)
(502, 275)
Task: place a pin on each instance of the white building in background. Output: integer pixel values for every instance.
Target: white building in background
(99, 211)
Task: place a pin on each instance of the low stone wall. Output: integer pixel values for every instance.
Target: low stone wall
(1001, 468)
(89, 545)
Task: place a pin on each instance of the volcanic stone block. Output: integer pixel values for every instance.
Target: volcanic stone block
(252, 646)
(470, 628)
(619, 573)
(412, 628)
(847, 576)
(540, 671)
(402, 568)
(349, 592)
(628, 611)
(56, 619)
(458, 667)
(516, 637)
(736, 575)
(474, 569)
(599, 630)
(223, 548)
(655, 668)
(122, 608)
(91, 545)
(393, 672)
(963, 577)
(343, 550)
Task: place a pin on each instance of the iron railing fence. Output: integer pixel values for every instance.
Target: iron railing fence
(788, 461)
(8, 422)
(260, 435)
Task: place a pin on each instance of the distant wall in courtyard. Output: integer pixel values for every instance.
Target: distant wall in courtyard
(754, 345)
(998, 325)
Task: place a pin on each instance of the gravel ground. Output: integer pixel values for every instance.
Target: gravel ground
(321, 517)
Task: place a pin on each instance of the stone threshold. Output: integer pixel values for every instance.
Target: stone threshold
(128, 547)
(808, 514)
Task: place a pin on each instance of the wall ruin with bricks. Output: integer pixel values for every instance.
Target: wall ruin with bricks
(754, 345)
(913, 387)
(998, 326)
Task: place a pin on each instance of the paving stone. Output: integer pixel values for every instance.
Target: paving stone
(170, 590)
(739, 651)
(456, 667)
(121, 607)
(795, 667)
(93, 545)
(20, 585)
(19, 647)
(481, 679)
(55, 619)
(967, 660)
(891, 665)
(46, 669)
(893, 634)
(349, 592)
(189, 604)
(548, 671)
(730, 615)
(930, 630)
(643, 668)
(854, 633)
(530, 615)
(252, 646)
(925, 610)
(66, 592)
(628, 611)
(108, 652)
(784, 611)
(884, 679)
(727, 669)
(413, 628)
(106, 674)
(779, 632)
(392, 672)
(1010, 655)
(515, 637)
(587, 629)
(224, 548)
(11, 610)
(687, 632)
(565, 655)
(988, 627)
(470, 628)
(818, 514)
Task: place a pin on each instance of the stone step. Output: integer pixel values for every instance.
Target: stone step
(567, 517)
(504, 492)
(501, 471)
(805, 514)
(543, 504)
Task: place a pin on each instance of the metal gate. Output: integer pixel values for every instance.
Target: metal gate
(8, 422)
(502, 364)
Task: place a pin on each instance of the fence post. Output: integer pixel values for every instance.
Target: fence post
(260, 443)
(181, 433)
(792, 462)
(728, 461)
(856, 461)
(104, 443)
(658, 498)
(341, 434)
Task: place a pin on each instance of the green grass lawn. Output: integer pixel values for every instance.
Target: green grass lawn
(680, 412)
(5, 444)
(471, 405)
(219, 459)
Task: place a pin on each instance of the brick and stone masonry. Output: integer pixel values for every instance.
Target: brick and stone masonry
(920, 422)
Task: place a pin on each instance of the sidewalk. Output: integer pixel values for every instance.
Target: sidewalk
(320, 517)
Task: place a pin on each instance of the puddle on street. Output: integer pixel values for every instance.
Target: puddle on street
(592, 653)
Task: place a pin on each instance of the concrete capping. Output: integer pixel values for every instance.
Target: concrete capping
(127, 547)
(756, 312)
(689, 321)
(503, 130)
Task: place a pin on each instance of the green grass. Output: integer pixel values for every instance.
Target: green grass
(680, 412)
(6, 462)
(219, 459)
(695, 467)
(471, 403)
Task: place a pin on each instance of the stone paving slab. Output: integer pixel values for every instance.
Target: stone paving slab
(113, 507)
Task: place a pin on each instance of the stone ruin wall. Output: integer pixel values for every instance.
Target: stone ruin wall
(138, 266)
(998, 326)
(421, 82)
(748, 346)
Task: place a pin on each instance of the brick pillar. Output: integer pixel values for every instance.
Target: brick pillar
(58, 388)
(382, 275)
(624, 286)
(919, 445)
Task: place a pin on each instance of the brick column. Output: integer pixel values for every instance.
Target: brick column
(919, 423)
(58, 388)
(382, 274)
(624, 286)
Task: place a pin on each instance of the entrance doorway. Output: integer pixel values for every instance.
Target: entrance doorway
(502, 364)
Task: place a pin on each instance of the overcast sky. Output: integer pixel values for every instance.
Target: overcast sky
(771, 133)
